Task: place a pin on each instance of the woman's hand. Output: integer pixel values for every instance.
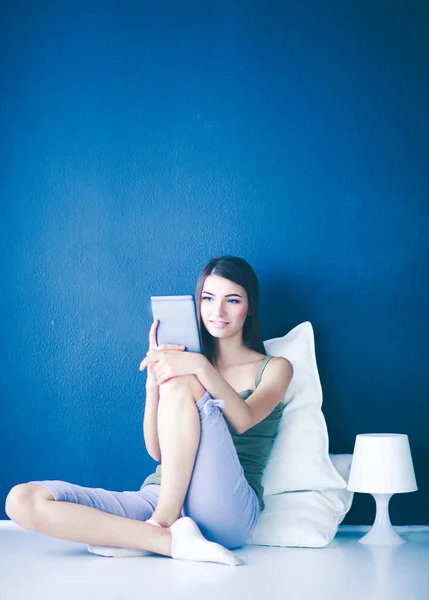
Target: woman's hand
(153, 347)
(169, 363)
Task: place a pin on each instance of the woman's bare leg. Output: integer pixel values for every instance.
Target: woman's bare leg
(179, 436)
(32, 507)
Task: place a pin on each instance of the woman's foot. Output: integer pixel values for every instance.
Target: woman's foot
(188, 543)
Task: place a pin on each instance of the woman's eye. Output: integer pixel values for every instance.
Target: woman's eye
(232, 300)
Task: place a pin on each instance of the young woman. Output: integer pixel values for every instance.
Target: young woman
(212, 452)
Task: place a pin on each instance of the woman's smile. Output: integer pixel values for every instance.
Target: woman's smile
(219, 324)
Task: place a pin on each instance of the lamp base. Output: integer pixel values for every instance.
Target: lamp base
(382, 536)
(382, 531)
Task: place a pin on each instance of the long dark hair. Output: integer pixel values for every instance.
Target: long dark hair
(238, 271)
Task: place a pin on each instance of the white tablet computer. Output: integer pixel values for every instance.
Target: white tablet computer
(178, 322)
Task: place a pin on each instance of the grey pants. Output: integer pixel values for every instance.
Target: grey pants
(219, 498)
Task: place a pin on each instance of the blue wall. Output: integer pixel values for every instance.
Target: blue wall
(139, 139)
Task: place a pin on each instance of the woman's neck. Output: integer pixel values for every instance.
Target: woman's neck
(230, 351)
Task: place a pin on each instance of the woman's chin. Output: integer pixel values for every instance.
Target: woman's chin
(217, 334)
(220, 333)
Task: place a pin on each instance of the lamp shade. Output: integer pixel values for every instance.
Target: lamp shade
(382, 464)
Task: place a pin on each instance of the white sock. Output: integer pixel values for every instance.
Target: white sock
(121, 552)
(188, 543)
(152, 521)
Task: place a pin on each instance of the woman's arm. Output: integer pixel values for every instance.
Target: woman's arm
(240, 414)
(244, 415)
(150, 422)
(236, 411)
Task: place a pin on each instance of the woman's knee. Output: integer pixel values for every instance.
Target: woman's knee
(22, 503)
(184, 385)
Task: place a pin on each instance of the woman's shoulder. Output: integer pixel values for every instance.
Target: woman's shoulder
(276, 372)
(278, 361)
(278, 365)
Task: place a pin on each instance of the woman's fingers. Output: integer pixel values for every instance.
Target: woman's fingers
(150, 358)
(152, 334)
(154, 347)
(153, 344)
(162, 374)
(171, 347)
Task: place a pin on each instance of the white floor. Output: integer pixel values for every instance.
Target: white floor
(33, 565)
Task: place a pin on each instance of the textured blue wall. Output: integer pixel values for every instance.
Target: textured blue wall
(139, 139)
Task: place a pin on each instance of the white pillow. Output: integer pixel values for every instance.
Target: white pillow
(299, 459)
(304, 519)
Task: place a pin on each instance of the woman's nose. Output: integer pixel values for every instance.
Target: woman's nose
(218, 310)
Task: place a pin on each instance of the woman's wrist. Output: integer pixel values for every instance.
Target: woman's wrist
(152, 391)
(152, 387)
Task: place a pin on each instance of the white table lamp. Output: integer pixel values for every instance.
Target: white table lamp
(382, 466)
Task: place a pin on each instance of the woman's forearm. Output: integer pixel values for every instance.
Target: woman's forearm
(236, 411)
(150, 422)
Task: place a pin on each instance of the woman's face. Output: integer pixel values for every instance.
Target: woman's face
(224, 306)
